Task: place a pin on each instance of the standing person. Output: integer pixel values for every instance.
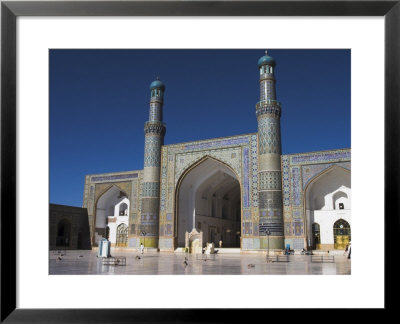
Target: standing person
(220, 243)
(141, 248)
(346, 250)
(349, 251)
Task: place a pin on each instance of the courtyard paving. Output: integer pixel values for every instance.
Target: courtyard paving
(164, 263)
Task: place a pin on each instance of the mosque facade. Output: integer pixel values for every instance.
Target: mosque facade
(239, 190)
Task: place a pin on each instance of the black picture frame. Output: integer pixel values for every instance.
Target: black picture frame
(10, 10)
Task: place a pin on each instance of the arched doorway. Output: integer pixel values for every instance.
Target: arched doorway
(122, 236)
(209, 200)
(341, 234)
(316, 233)
(112, 208)
(63, 233)
(327, 197)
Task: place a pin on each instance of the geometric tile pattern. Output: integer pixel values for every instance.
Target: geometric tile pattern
(246, 188)
(113, 177)
(296, 186)
(155, 112)
(152, 151)
(298, 228)
(267, 90)
(254, 167)
(269, 136)
(270, 200)
(275, 228)
(151, 189)
(285, 180)
(270, 180)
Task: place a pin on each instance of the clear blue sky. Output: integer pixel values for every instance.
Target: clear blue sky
(99, 101)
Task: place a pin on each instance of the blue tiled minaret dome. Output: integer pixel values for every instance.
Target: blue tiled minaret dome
(154, 138)
(268, 111)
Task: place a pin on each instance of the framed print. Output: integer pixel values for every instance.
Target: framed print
(29, 293)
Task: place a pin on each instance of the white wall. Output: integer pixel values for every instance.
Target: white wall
(323, 196)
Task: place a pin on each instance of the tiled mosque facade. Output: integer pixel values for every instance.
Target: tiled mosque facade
(269, 187)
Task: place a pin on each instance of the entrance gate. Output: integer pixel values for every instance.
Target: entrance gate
(341, 234)
(122, 236)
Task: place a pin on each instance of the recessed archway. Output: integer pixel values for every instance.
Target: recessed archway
(327, 198)
(112, 208)
(209, 200)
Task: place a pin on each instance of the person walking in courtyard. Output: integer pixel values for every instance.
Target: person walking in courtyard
(141, 248)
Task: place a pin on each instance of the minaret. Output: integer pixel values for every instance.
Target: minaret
(268, 111)
(154, 130)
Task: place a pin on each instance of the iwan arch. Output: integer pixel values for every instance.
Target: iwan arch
(238, 189)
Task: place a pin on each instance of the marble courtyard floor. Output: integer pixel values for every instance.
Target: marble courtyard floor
(164, 263)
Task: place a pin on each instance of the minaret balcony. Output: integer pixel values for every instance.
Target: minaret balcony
(157, 127)
(266, 76)
(156, 99)
(268, 106)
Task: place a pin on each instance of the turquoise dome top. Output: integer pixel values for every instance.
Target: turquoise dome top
(157, 84)
(266, 60)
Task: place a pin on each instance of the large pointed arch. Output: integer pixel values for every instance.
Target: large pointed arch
(319, 195)
(104, 207)
(210, 176)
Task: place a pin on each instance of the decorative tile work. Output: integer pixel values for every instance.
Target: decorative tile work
(275, 228)
(298, 228)
(269, 136)
(113, 177)
(216, 143)
(269, 108)
(297, 213)
(270, 200)
(169, 217)
(225, 155)
(286, 181)
(163, 192)
(254, 167)
(246, 214)
(255, 232)
(134, 202)
(150, 205)
(91, 200)
(298, 244)
(318, 157)
(155, 112)
(288, 229)
(296, 186)
(154, 128)
(152, 151)
(246, 188)
(267, 90)
(168, 230)
(247, 244)
(151, 189)
(247, 228)
(309, 171)
(287, 212)
(270, 180)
